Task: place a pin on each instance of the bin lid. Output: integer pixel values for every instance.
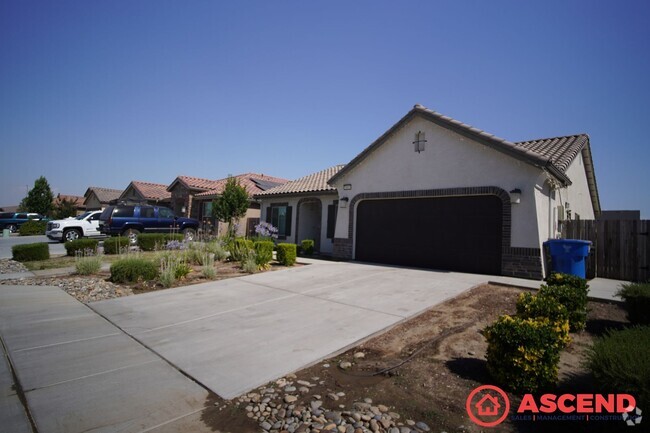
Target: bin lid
(575, 242)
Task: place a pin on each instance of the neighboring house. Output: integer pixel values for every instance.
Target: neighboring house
(96, 198)
(77, 200)
(304, 208)
(192, 196)
(146, 192)
(434, 192)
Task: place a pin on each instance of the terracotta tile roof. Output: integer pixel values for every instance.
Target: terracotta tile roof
(254, 183)
(315, 182)
(77, 200)
(561, 151)
(151, 191)
(104, 195)
(196, 183)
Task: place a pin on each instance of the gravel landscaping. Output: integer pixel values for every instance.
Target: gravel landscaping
(8, 266)
(84, 289)
(290, 406)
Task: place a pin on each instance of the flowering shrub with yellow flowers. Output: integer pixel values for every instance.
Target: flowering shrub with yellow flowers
(523, 353)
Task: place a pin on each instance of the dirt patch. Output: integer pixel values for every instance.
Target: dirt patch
(431, 363)
(225, 270)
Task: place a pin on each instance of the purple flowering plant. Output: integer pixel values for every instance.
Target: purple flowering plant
(266, 230)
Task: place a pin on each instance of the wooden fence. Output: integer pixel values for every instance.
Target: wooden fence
(621, 248)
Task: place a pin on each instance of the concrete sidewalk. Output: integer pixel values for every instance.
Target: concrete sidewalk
(80, 373)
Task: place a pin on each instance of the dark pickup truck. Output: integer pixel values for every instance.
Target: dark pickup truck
(13, 221)
(131, 220)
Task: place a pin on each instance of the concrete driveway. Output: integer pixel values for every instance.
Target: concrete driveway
(237, 334)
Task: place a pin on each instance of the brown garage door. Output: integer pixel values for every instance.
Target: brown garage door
(450, 233)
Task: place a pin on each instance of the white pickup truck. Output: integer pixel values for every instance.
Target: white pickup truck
(69, 229)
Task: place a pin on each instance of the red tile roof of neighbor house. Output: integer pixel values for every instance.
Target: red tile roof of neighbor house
(254, 183)
(151, 191)
(104, 195)
(553, 155)
(315, 182)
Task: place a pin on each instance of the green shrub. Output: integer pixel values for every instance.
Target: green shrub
(216, 248)
(531, 306)
(558, 279)
(263, 253)
(208, 270)
(87, 262)
(151, 241)
(574, 298)
(30, 252)
(32, 227)
(132, 269)
(286, 254)
(116, 245)
(619, 363)
(71, 247)
(249, 263)
(637, 302)
(240, 249)
(523, 354)
(307, 246)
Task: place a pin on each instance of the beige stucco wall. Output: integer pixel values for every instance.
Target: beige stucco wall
(326, 245)
(577, 194)
(448, 161)
(92, 203)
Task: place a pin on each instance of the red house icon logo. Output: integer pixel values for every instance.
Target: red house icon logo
(487, 406)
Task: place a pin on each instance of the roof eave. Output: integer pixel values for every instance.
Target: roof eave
(591, 178)
(296, 194)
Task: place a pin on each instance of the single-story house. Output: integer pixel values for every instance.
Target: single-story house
(437, 193)
(193, 197)
(304, 208)
(96, 198)
(148, 192)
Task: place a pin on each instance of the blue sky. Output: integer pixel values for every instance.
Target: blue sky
(102, 93)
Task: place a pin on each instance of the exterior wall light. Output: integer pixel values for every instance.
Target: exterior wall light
(343, 202)
(515, 196)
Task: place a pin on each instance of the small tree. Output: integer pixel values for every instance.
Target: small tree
(64, 208)
(231, 204)
(39, 198)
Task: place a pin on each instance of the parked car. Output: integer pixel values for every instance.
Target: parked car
(13, 221)
(69, 229)
(131, 220)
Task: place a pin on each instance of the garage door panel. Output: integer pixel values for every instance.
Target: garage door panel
(454, 233)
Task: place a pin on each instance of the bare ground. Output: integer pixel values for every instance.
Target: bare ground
(441, 358)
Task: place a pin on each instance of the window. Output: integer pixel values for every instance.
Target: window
(123, 212)
(279, 215)
(164, 212)
(146, 212)
(332, 212)
(94, 217)
(207, 209)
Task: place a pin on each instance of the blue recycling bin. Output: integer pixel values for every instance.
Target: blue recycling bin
(568, 256)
